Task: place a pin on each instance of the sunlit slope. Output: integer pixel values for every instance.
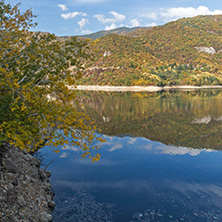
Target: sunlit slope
(118, 61)
(179, 41)
(183, 52)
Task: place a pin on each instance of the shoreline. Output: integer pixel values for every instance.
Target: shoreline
(26, 193)
(141, 88)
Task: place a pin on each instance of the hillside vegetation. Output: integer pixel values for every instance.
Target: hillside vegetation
(119, 31)
(188, 119)
(184, 52)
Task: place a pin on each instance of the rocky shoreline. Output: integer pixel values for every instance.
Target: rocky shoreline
(26, 194)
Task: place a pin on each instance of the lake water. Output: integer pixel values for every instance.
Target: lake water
(161, 160)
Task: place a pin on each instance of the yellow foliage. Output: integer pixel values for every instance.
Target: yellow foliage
(37, 107)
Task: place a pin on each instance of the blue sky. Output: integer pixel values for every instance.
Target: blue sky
(76, 17)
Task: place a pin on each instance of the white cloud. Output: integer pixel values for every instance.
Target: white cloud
(87, 31)
(135, 22)
(90, 1)
(152, 24)
(180, 12)
(72, 15)
(63, 7)
(151, 15)
(116, 17)
(112, 26)
(83, 22)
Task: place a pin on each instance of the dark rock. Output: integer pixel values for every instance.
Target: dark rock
(51, 205)
(45, 217)
(35, 162)
(9, 165)
(42, 174)
(48, 174)
(21, 200)
(25, 190)
(15, 182)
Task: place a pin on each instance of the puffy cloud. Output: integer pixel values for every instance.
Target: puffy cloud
(72, 15)
(83, 22)
(152, 24)
(174, 13)
(87, 31)
(102, 19)
(63, 7)
(116, 18)
(90, 1)
(135, 22)
(151, 15)
(112, 26)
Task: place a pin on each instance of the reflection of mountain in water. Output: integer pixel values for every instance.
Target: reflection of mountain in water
(190, 119)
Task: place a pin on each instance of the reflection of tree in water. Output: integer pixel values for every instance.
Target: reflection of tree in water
(181, 118)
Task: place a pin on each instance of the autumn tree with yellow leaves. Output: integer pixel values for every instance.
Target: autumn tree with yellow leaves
(36, 105)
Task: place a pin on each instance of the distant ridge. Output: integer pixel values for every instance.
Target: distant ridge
(119, 31)
(124, 31)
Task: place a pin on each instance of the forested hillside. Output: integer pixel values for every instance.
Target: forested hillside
(119, 31)
(184, 52)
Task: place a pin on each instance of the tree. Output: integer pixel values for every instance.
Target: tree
(36, 103)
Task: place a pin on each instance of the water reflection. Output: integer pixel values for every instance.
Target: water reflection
(190, 119)
(159, 163)
(138, 180)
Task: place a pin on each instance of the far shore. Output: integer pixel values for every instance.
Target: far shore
(141, 88)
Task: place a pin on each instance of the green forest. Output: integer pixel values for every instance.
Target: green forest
(189, 118)
(183, 52)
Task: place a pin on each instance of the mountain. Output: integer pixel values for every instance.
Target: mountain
(183, 52)
(119, 31)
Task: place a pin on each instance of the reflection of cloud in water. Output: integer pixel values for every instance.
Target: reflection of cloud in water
(133, 187)
(108, 138)
(173, 150)
(115, 143)
(131, 140)
(63, 155)
(101, 162)
(116, 146)
(204, 191)
(68, 147)
(181, 150)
